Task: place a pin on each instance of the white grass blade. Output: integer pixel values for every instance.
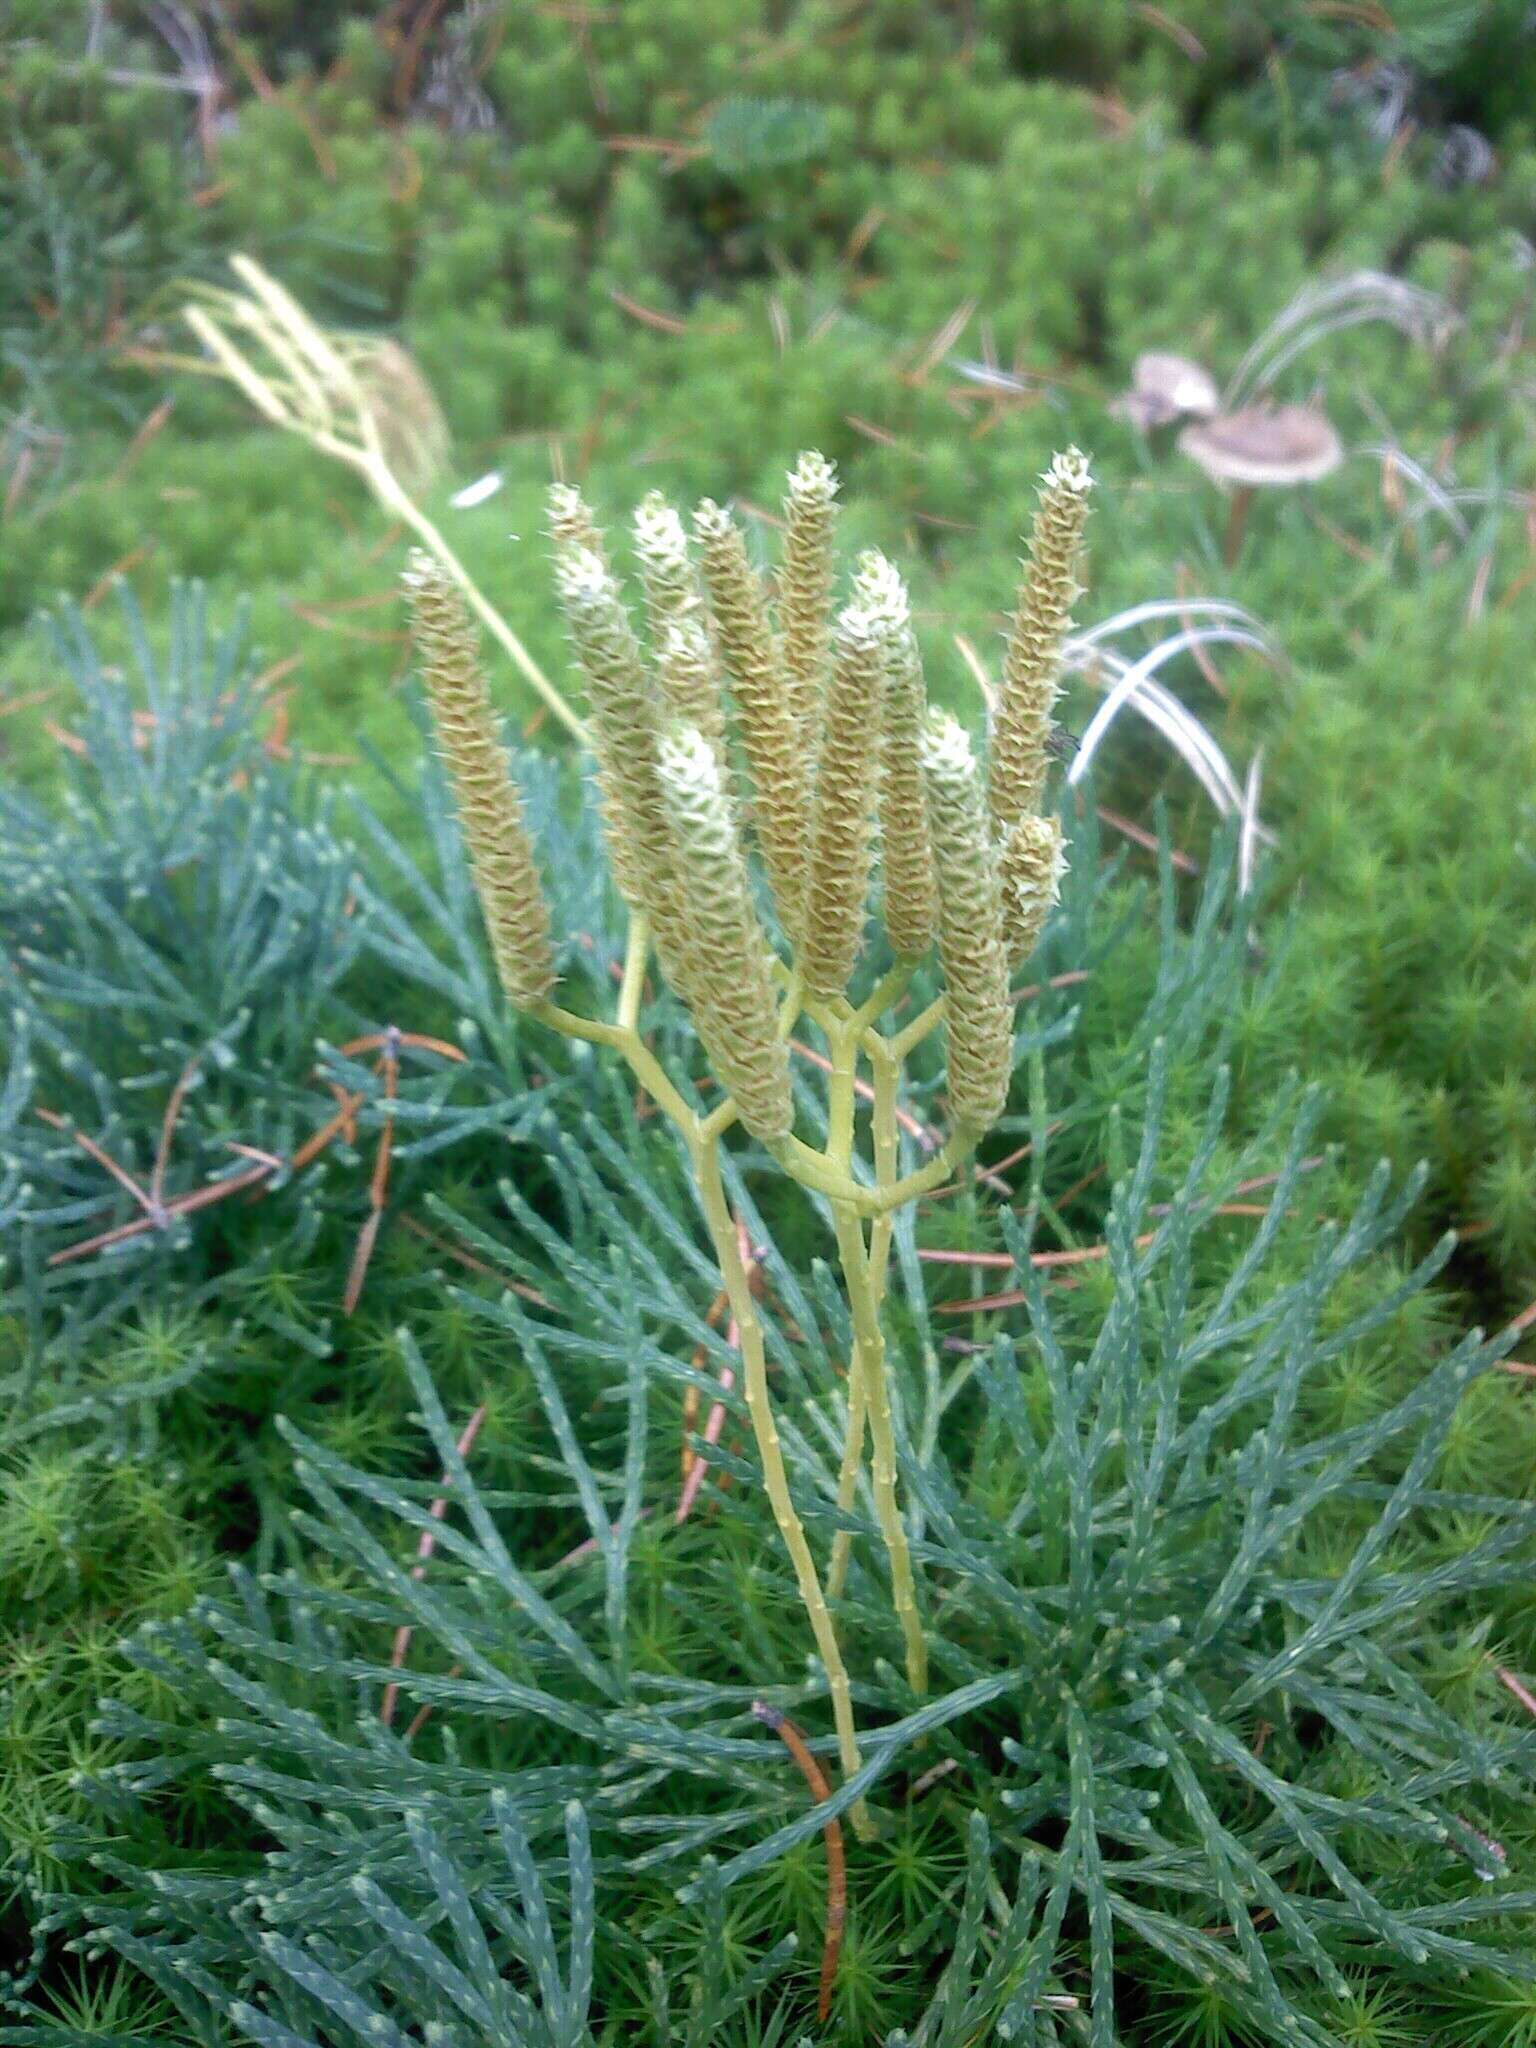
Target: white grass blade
(1159, 608)
(1436, 496)
(1324, 307)
(476, 493)
(989, 377)
(1248, 838)
(1191, 741)
(1135, 683)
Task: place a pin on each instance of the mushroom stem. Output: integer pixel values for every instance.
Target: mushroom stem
(1237, 519)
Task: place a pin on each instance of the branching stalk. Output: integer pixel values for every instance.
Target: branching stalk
(869, 1346)
(886, 1070)
(738, 1288)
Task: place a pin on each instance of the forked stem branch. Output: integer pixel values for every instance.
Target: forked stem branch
(885, 1071)
(749, 1334)
(869, 1348)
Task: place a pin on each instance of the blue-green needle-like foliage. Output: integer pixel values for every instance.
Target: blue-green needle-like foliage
(1204, 1721)
(1179, 1637)
(1222, 1540)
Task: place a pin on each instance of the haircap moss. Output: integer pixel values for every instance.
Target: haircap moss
(731, 993)
(490, 809)
(980, 1024)
(770, 730)
(1021, 727)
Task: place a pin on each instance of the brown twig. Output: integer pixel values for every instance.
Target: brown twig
(148, 427)
(388, 1043)
(1517, 1686)
(676, 153)
(664, 323)
(1201, 653)
(1140, 836)
(378, 1180)
(989, 1176)
(181, 1205)
(588, 1545)
(265, 90)
(694, 1467)
(942, 342)
(925, 1134)
(1034, 988)
(1081, 1255)
(410, 56)
(688, 1458)
(1176, 32)
(158, 1213)
(168, 1124)
(882, 435)
(419, 1719)
(17, 483)
(27, 701)
(108, 577)
(312, 615)
(831, 1834)
(425, 1546)
(944, 1768)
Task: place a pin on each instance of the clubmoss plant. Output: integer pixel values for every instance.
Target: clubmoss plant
(805, 582)
(766, 710)
(357, 399)
(490, 808)
(906, 855)
(1031, 671)
(830, 711)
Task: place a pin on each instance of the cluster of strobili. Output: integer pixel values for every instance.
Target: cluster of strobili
(826, 711)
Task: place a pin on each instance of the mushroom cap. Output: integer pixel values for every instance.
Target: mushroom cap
(1264, 444)
(1177, 382)
(1167, 387)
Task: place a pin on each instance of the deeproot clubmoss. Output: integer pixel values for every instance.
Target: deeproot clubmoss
(814, 238)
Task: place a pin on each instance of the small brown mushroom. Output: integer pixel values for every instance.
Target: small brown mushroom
(1167, 387)
(1260, 447)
